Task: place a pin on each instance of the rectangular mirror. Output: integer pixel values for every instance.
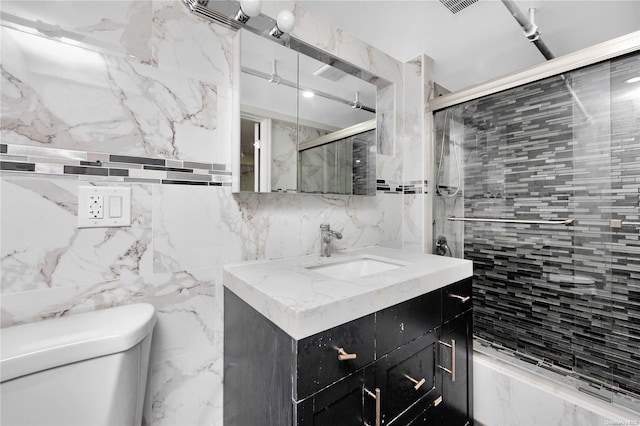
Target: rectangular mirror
(306, 126)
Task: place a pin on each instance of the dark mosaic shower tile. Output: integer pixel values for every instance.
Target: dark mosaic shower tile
(17, 167)
(183, 182)
(168, 169)
(566, 295)
(94, 171)
(91, 163)
(118, 172)
(136, 160)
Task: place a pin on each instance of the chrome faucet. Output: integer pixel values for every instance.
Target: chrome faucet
(325, 239)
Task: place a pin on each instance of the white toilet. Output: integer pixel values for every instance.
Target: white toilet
(84, 369)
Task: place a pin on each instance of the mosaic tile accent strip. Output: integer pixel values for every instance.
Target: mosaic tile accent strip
(395, 187)
(567, 296)
(120, 168)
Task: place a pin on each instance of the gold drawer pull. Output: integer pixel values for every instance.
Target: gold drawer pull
(417, 383)
(452, 346)
(375, 396)
(343, 356)
(463, 299)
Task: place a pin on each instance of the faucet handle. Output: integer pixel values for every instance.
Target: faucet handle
(325, 226)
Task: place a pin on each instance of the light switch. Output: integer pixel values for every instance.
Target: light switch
(115, 206)
(104, 207)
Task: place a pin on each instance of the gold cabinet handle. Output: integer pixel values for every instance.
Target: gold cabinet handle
(417, 383)
(375, 396)
(463, 299)
(344, 356)
(452, 346)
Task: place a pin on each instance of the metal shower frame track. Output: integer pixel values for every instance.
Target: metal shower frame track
(600, 52)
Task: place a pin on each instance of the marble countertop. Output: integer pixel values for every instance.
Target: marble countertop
(303, 302)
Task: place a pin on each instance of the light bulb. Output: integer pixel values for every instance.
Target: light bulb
(286, 21)
(251, 8)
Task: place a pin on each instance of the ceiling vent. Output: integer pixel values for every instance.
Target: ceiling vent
(330, 73)
(456, 6)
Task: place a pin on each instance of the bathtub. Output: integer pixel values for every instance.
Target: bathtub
(508, 394)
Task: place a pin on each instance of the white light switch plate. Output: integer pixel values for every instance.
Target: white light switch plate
(100, 207)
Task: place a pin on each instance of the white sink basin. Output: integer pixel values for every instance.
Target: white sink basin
(355, 267)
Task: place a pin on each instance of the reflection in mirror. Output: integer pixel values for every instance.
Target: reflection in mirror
(340, 166)
(294, 112)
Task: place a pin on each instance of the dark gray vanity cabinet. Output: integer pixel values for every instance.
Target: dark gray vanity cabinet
(387, 368)
(456, 355)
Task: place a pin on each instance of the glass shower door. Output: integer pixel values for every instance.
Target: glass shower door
(564, 297)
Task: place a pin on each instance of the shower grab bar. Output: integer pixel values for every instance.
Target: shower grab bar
(525, 222)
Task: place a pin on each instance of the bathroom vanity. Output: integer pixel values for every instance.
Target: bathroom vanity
(371, 336)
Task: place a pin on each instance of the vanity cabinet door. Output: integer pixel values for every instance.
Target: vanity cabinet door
(457, 404)
(407, 380)
(318, 364)
(345, 403)
(405, 321)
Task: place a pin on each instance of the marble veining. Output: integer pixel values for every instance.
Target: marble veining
(126, 106)
(57, 253)
(147, 79)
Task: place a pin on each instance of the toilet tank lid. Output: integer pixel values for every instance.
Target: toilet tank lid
(38, 346)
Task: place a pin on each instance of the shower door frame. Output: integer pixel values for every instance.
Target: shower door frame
(572, 61)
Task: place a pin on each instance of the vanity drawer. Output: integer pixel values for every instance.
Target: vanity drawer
(317, 356)
(407, 381)
(344, 403)
(456, 299)
(405, 321)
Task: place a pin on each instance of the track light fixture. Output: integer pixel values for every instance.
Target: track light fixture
(285, 23)
(275, 77)
(357, 104)
(248, 9)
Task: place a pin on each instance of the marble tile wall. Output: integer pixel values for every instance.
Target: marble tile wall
(413, 154)
(147, 80)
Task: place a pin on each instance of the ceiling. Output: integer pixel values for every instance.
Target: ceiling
(477, 44)
(481, 42)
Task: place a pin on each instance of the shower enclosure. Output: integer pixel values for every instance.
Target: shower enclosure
(543, 194)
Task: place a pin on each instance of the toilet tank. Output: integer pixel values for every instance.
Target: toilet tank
(84, 369)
